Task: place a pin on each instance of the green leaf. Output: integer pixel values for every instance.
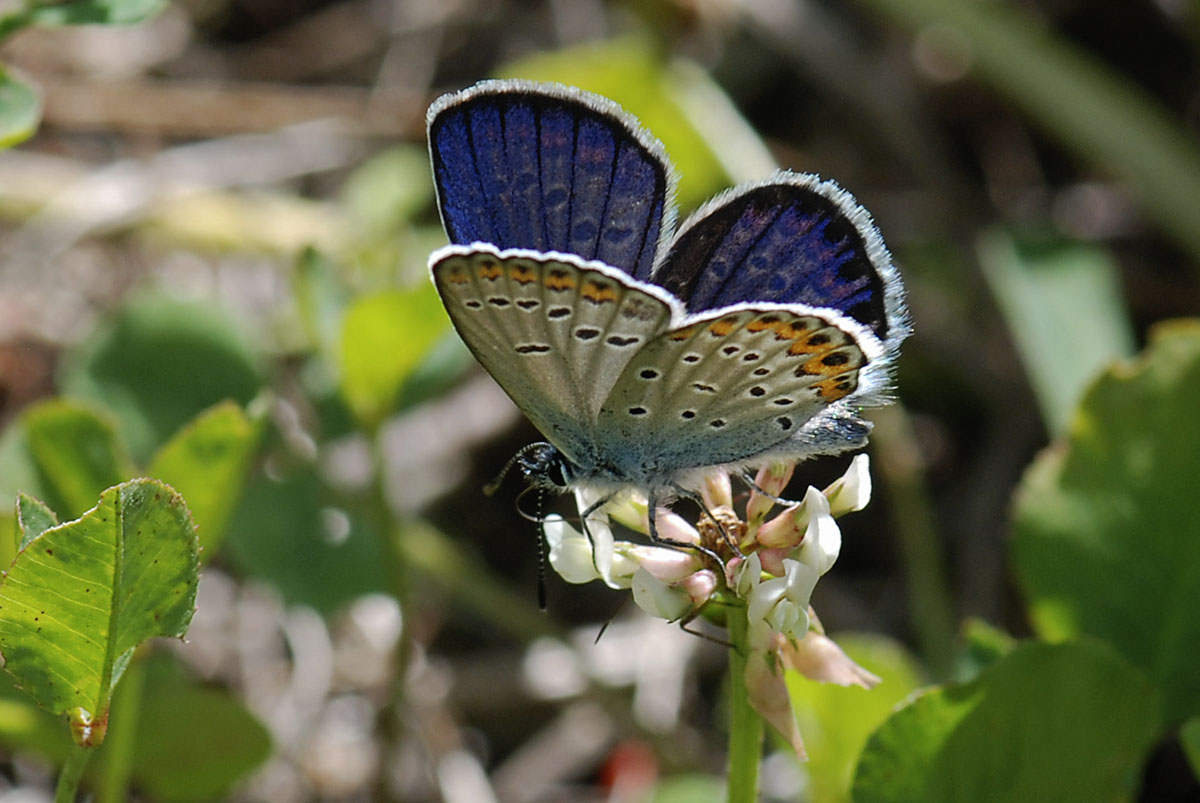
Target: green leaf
(985, 645)
(1067, 722)
(20, 110)
(1189, 738)
(1064, 307)
(207, 461)
(388, 190)
(221, 743)
(80, 597)
(160, 363)
(706, 139)
(27, 728)
(95, 12)
(835, 721)
(75, 454)
(384, 338)
(1107, 530)
(291, 532)
(689, 789)
(33, 518)
(320, 298)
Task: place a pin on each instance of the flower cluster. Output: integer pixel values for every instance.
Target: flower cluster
(755, 564)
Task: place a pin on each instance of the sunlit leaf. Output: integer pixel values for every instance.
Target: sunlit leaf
(34, 517)
(689, 789)
(384, 338)
(388, 189)
(20, 110)
(1064, 308)
(1108, 523)
(94, 12)
(74, 453)
(207, 461)
(836, 720)
(1068, 722)
(79, 598)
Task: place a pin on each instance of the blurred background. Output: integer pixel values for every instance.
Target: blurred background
(232, 200)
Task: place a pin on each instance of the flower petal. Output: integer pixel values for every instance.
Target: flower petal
(822, 538)
(851, 491)
(769, 696)
(819, 658)
(658, 598)
(570, 551)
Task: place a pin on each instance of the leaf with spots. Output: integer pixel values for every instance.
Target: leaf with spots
(82, 595)
(34, 517)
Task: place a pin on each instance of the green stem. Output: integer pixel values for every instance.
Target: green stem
(389, 728)
(72, 771)
(921, 556)
(745, 725)
(122, 730)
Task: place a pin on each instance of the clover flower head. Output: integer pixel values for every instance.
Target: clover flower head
(763, 563)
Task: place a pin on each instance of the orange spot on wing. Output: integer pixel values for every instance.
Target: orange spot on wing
(559, 280)
(682, 334)
(793, 330)
(837, 387)
(599, 293)
(723, 327)
(764, 324)
(490, 271)
(522, 274)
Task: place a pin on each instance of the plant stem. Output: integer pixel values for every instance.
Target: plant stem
(745, 725)
(921, 556)
(122, 730)
(72, 771)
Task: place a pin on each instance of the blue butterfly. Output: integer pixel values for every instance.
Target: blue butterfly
(649, 356)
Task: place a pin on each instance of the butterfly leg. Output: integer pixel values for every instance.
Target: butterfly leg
(748, 478)
(726, 536)
(651, 508)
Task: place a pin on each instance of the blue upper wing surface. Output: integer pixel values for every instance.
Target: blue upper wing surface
(791, 239)
(547, 168)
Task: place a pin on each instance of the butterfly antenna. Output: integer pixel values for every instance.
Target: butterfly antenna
(543, 545)
(494, 485)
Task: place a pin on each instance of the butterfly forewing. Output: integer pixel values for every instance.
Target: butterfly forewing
(730, 385)
(556, 333)
(549, 169)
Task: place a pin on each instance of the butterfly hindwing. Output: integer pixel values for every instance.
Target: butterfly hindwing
(548, 168)
(732, 384)
(555, 332)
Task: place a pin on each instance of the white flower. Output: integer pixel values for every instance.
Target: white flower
(822, 537)
(664, 600)
(851, 491)
(578, 560)
(777, 605)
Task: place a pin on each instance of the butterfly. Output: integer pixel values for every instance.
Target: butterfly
(649, 356)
